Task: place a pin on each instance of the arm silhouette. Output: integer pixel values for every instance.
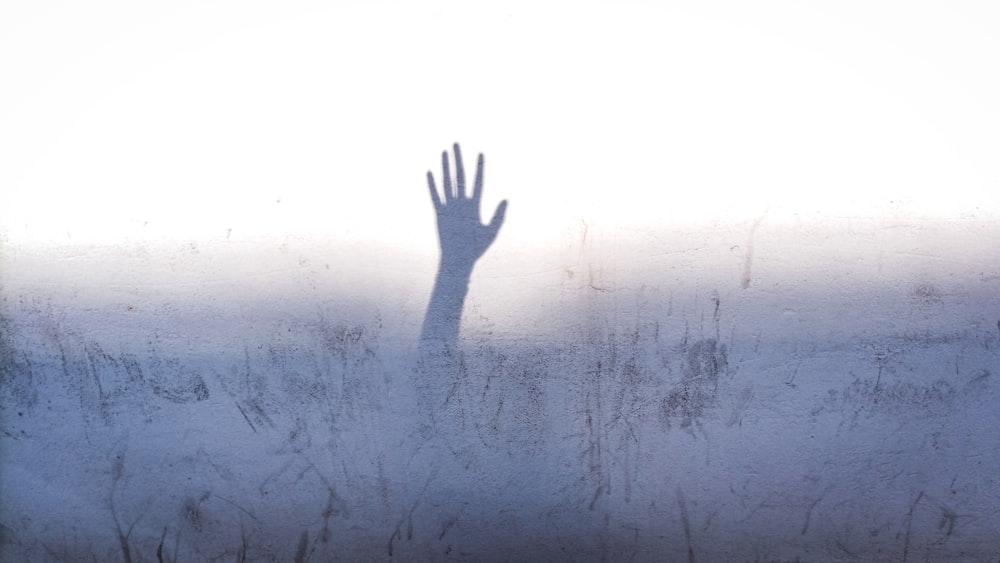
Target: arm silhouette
(464, 239)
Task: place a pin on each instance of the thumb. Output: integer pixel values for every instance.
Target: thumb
(497, 219)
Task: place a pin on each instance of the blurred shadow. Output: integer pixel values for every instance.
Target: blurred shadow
(464, 239)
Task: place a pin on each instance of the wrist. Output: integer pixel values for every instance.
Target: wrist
(455, 269)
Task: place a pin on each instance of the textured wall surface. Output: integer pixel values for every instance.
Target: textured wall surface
(814, 414)
(744, 304)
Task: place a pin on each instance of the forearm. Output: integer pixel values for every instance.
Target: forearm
(438, 366)
(444, 311)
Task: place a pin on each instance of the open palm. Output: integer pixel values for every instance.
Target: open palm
(464, 238)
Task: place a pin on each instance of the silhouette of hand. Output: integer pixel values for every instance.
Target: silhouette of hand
(464, 238)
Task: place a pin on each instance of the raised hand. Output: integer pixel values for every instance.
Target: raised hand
(464, 238)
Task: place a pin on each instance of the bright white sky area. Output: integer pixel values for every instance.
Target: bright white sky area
(126, 122)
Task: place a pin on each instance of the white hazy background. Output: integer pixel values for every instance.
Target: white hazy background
(135, 122)
(258, 150)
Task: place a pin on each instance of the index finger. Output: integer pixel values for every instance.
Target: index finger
(477, 188)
